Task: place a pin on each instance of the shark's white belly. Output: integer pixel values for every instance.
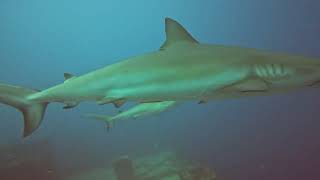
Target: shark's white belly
(183, 88)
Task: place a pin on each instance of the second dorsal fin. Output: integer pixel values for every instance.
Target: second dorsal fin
(68, 76)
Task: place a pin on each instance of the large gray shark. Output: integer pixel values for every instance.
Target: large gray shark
(184, 69)
(137, 111)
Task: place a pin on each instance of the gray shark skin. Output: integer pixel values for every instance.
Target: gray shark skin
(137, 111)
(33, 112)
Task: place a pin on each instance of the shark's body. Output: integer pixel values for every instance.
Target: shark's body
(140, 110)
(183, 69)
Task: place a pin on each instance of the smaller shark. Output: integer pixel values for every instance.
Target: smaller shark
(32, 111)
(140, 110)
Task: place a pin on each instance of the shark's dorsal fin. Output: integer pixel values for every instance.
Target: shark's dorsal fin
(175, 32)
(68, 76)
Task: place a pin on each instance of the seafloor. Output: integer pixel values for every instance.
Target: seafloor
(157, 166)
(36, 161)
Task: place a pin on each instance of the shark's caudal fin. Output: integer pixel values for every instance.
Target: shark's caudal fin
(33, 112)
(107, 119)
(33, 115)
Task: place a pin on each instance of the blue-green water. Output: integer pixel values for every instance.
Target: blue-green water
(258, 138)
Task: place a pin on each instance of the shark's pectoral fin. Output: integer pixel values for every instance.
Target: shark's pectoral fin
(252, 85)
(314, 84)
(71, 104)
(249, 85)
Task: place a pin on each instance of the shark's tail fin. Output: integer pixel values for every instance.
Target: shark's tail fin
(107, 119)
(33, 112)
(33, 115)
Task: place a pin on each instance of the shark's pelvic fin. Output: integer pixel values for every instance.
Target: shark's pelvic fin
(175, 32)
(202, 101)
(71, 104)
(104, 101)
(119, 103)
(252, 85)
(32, 111)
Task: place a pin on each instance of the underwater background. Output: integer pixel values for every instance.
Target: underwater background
(273, 137)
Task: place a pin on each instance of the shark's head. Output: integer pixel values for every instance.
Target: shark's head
(289, 71)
